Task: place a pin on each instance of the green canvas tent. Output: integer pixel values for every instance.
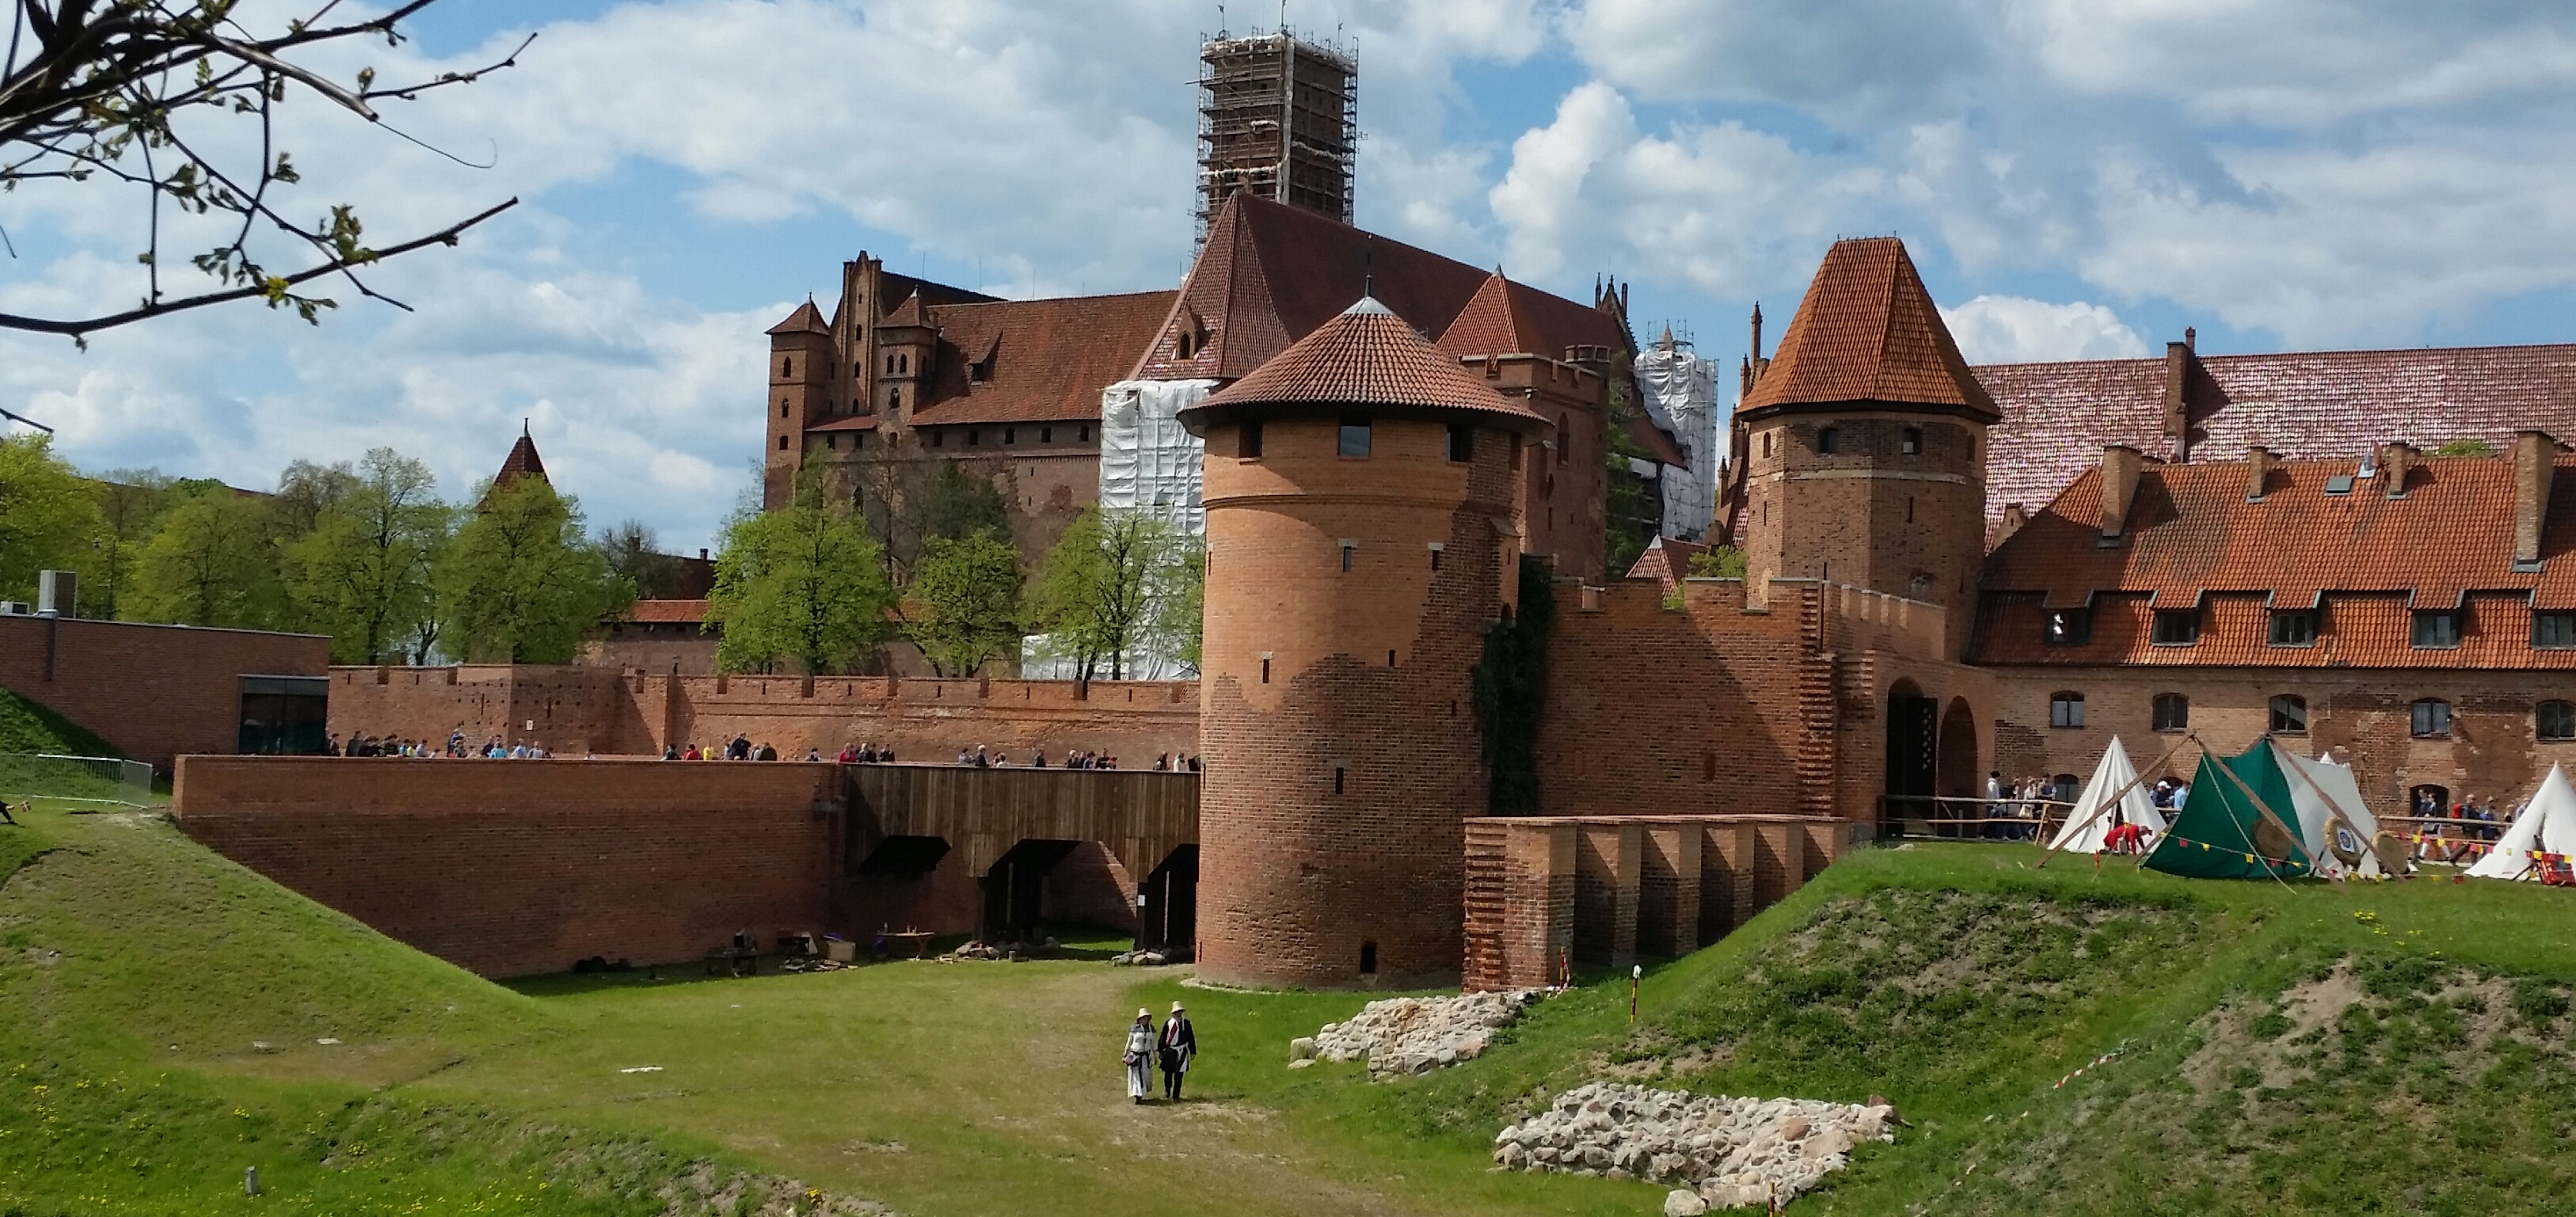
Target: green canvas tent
(2220, 833)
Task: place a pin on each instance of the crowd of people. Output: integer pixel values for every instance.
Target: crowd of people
(492, 748)
(980, 757)
(2448, 830)
(739, 748)
(2015, 811)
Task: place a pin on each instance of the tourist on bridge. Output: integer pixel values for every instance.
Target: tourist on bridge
(1140, 1056)
(1180, 1042)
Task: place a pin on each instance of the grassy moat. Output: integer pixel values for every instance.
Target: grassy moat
(2387, 1048)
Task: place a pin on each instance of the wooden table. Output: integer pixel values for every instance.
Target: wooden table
(920, 940)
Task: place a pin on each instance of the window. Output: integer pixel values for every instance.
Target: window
(787, 366)
(894, 399)
(2437, 629)
(1910, 441)
(2068, 627)
(2553, 631)
(1265, 669)
(2172, 712)
(2556, 720)
(860, 440)
(2289, 715)
(938, 439)
(2294, 628)
(782, 407)
(2432, 719)
(1829, 441)
(1348, 549)
(1355, 437)
(1338, 776)
(1766, 443)
(832, 441)
(1564, 438)
(2065, 710)
(1010, 435)
(1247, 440)
(1435, 556)
(2176, 627)
(1368, 950)
(782, 443)
(1046, 435)
(1082, 434)
(1462, 442)
(974, 437)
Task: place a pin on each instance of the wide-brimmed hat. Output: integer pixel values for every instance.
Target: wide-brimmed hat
(1176, 1007)
(1142, 1012)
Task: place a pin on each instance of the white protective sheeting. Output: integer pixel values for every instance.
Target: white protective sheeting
(1148, 460)
(2327, 802)
(2088, 826)
(1681, 397)
(2547, 825)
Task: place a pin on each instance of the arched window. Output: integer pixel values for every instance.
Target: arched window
(782, 407)
(2289, 715)
(782, 443)
(2172, 712)
(787, 365)
(1766, 443)
(1910, 441)
(2427, 800)
(2431, 719)
(2556, 720)
(1829, 441)
(2065, 710)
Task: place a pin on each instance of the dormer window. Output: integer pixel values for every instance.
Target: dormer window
(2068, 627)
(2437, 629)
(1185, 345)
(2176, 627)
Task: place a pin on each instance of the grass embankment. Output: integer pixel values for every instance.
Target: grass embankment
(2282, 1049)
(26, 726)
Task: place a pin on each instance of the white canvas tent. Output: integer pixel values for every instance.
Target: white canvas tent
(2327, 803)
(2088, 825)
(2547, 825)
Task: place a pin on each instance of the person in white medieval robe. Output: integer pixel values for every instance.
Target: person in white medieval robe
(1139, 1058)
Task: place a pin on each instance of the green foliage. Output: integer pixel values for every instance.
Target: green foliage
(2538, 1000)
(958, 505)
(1718, 562)
(1510, 690)
(1181, 618)
(803, 583)
(1632, 517)
(2468, 445)
(131, 505)
(963, 601)
(364, 567)
(635, 556)
(518, 583)
(31, 727)
(1108, 590)
(48, 517)
(211, 563)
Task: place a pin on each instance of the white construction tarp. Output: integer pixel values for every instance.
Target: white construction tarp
(1148, 460)
(1681, 397)
(2327, 802)
(2547, 825)
(2088, 826)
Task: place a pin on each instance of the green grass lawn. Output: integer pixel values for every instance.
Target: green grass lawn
(136, 972)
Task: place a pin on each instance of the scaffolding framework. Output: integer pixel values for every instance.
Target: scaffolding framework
(1279, 118)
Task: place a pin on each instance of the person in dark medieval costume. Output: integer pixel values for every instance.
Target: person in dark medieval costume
(1139, 1058)
(1178, 1043)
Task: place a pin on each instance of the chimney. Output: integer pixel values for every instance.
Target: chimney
(2396, 460)
(2015, 515)
(2258, 471)
(2179, 363)
(702, 553)
(2120, 466)
(2535, 462)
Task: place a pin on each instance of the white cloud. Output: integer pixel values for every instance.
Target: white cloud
(2014, 329)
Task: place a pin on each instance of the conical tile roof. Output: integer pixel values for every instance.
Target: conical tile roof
(1367, 356)
(522, 462)
(807, 319)
(1868, 332)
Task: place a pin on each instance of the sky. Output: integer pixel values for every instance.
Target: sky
(2075, 178)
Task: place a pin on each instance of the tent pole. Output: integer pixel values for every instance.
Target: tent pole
(2336, 809)
(2068, 834)
(2268, 813)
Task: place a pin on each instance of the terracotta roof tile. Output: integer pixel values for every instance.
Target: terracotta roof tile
(1049, 359)
(1867, 331)
(522, 462)
(847, 422)
(1666, 561)
(1367, 356)
(806, 319)
(687, 612)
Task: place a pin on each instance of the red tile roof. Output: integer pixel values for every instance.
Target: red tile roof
(2356, 630)
(2309, 405)
(522, 462)
(1269, 274)
(847, 422)
(1503, 320)
(806, 319)
(1048, 359)
(1867, 331)
(687, 612)
(1666, 561)
(2191, 530)
(1367, 356)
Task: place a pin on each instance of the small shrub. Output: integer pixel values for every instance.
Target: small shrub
(2270, 1026)
(2538, 1000)
(2245, 1077)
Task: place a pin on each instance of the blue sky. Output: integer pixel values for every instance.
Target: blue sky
(2075, 178)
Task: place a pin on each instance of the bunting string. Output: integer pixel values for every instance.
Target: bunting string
(2291, 863)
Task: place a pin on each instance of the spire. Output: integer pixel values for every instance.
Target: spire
(1757, 329)
(522, 461)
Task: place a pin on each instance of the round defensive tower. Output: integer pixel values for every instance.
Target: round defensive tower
(1359, 494)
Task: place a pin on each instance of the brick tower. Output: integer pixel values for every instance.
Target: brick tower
(1864, 442)
(1359, 492)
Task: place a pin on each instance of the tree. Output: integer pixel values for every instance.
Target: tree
(959, 505)
(802, 583)
(131, 503)
(47, 516)
(1631, 515)
(518, 584)
(1182, 616)
(1102, 591)
(635, 555)
(210, 563)
(305, 492)
(363, 570)
(171, 97)
(963, 601)
(1717, 562)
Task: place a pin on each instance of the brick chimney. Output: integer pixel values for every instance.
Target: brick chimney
(2181, 360)
(2258, 471)
(2535, 462)
(2396, 460)
(2120, 466)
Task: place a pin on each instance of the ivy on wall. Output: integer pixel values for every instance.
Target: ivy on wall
(1511, 694)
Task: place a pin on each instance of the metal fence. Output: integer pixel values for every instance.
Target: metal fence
(103, 780)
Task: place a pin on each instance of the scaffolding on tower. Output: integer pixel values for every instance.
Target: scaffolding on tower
(1279, 119)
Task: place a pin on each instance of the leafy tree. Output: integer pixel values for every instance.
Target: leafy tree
(963, 601)
(1631, 517)
(306, 492)
(1510, 687)
(1182, 614)
(960, 504)
(2465, 446)
(47, 515)
(1717, 562)
(518, 583)
(802, 583)
(363, 569)
(1102, 592)
(131, 504)
(211, 563)
(179, 100)
(635, 555)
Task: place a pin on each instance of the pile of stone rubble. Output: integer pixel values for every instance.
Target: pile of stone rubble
(1139, 959)
(1408, 1035)
(1718, 1152)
